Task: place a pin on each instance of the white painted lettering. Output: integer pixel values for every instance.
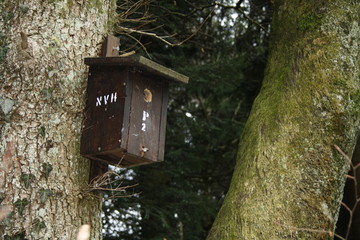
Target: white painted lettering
(113, 97)
(106, 98)
(145, 115)
(98, 101)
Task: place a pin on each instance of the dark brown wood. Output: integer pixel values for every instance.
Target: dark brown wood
(162, 132)
(125, 115)
(127, 111)
(145, 117)
(141, 63)
(97, 169)
(110, 46)
(105, 109)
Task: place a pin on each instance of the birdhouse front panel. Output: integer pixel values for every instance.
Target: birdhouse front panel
(148, 104)
(125, 113)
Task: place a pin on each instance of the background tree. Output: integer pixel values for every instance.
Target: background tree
(289, 176)
(42, 77)
(225, 60)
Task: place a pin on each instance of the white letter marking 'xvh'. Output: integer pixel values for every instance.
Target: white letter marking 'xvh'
(105, 99)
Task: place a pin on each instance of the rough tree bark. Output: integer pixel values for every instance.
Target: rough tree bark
(42, 76)
(289, 178)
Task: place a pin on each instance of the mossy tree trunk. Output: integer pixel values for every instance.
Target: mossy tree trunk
(289, 177)
(43, 78)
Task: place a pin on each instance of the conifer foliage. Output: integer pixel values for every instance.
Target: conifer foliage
(224, 56)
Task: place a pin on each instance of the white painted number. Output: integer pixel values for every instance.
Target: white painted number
(144, 117)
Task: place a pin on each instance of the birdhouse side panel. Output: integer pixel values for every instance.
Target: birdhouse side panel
(106, 93)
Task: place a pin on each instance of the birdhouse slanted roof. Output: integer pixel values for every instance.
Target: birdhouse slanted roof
(141, 63)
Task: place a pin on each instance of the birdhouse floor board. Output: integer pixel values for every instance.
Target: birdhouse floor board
(126, 159)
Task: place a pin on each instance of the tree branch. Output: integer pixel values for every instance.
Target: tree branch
(239, 9)
(163, 38)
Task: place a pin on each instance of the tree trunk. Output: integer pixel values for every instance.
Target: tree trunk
(43, 78)
(289, 177)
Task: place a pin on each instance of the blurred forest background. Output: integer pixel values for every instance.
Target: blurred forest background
(223, 51)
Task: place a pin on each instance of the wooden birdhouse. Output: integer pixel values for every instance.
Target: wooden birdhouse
(126, 107)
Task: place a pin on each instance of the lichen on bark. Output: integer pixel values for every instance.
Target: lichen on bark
(289, 178)
(43, 73)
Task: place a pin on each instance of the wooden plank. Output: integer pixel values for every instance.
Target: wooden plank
(127, 109)
(110, 46)
(105, 110)
(142, 63)
(151, 65)
(162, 131)
(145, 117)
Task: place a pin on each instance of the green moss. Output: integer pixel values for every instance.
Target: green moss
(3, 52)
(83, 164)
(70, 4)
(18, 236)
(303, 109)
(3, 46)
(98, 4)
(62, 14)
(113, 18)
(2, 197)
(7, 16)
(310, 21)
(24, 8)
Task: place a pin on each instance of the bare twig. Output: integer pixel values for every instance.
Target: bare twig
(142, 46)
(128, 31)
(295, 229)
(357, 165)
(105, 183)
(342, 153)
(338, 236)
(349, 177)
(127, 54)
(346, 207)
(330, 233)
(354, 177)
(238, 8)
